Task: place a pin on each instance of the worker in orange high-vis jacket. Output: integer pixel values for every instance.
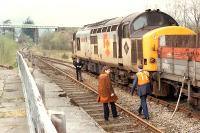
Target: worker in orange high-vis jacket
(142, 82)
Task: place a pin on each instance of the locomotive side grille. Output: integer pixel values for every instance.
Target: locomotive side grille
(93, 40)
(169, 41)
(198, 40)
(181, 41)
(133, 52)
(95, 49)
(78, 44)
(114, 49)
(140, 49)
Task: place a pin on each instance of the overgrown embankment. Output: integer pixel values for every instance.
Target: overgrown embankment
(56, 44)
(8, 48)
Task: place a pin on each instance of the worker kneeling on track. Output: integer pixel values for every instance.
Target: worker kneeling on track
(106, 93)
(142, 82)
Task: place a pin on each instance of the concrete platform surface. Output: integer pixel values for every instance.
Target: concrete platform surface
(12, 105)
(77, 120)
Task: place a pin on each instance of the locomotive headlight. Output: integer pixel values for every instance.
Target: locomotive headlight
(152, 60)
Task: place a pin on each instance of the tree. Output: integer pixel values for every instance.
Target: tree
(60, 40)
(24, 40)
(178, 10)
(187, 13)
(6, 22)
(31, 32)
(194, 15)
(6, 30)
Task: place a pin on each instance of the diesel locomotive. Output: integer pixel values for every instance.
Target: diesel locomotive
(151, 38)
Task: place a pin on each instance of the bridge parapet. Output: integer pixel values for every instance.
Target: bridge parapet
(30, 26)
(38, 119)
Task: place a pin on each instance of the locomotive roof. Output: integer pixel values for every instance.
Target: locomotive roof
(97, 24)
(85, 31)
(114, 21)
(131, 17)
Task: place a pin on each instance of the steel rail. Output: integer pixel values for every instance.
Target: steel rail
(172, 106)
(141, 121)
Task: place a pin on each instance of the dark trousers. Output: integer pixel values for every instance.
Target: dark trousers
(78, 75)
(143, 106)
(106, 110)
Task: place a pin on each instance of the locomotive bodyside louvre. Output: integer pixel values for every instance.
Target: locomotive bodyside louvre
(136, 53)
(119, 48)
(133, 52)
(73, 43)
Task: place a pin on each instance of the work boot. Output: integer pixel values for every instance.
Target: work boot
(106, 119)
(115, 116)
(140, 111)
(147, 118)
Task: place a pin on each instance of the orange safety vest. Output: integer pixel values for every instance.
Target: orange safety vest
(143, 77)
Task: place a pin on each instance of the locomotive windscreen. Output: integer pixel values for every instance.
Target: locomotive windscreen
(160, 19)
(155, 19)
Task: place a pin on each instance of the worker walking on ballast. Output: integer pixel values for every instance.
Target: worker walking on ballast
(142, 82)
(106, 93)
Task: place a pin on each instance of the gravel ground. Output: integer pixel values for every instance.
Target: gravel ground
(159, 115)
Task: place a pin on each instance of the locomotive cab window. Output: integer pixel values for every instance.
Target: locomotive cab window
(126, 31)
(155, 19)
(158, 19)
(139, 23)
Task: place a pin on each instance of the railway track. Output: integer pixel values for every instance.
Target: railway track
(85, 96)
(188, 112)
(6, 66)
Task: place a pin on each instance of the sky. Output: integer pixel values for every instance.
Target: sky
(72, 13)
